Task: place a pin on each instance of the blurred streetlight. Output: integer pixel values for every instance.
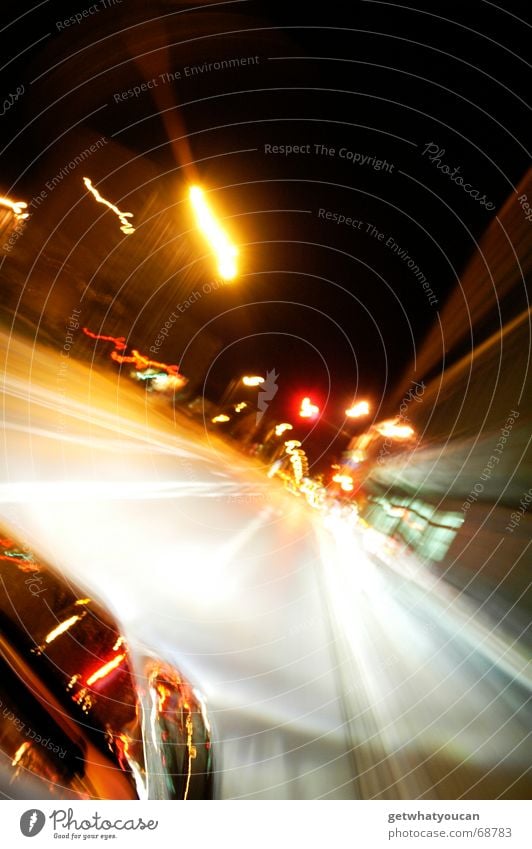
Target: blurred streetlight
(391, 429)
(361, 408)
(234, 386)
(282, 428)
(17, 207)
(215, 235)
(291, 444)
(221, 418)
(345, 481)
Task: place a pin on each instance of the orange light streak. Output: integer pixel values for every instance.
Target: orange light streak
(137, 359)
(20, 751)
(106, 669)
(118, 341)
(191, 748)
(225, 252)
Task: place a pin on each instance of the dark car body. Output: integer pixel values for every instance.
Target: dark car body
(84, 713)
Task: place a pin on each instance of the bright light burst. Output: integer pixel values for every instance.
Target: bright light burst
(126, 226)
(218, 239)
(391, 429)
(298, 459)
(358, 410)
(291, 444)
(282, 428)
(17, 207)
(345, 481)
(253, 380)
(168, 382)
(308, 409)
(219, 419)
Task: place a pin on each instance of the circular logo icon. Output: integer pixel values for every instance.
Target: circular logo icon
(32, 822)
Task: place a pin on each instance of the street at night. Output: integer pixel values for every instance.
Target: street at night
(329, 671)
(266, 478)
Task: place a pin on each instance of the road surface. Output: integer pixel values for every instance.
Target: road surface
(332, 668)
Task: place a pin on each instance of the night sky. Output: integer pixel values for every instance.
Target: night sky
(314, 133)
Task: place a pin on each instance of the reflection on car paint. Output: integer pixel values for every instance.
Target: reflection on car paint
(80, 710)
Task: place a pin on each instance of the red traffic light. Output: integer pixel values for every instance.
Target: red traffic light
(308, 410)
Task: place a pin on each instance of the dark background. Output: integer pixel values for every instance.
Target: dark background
(333, 310)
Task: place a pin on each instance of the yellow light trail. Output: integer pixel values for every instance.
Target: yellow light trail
(192, 753)
(61, 628)
(221, 418)
(20, 751)
(17, 207)
(105, 669)
(126, 227)
(218, 239)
